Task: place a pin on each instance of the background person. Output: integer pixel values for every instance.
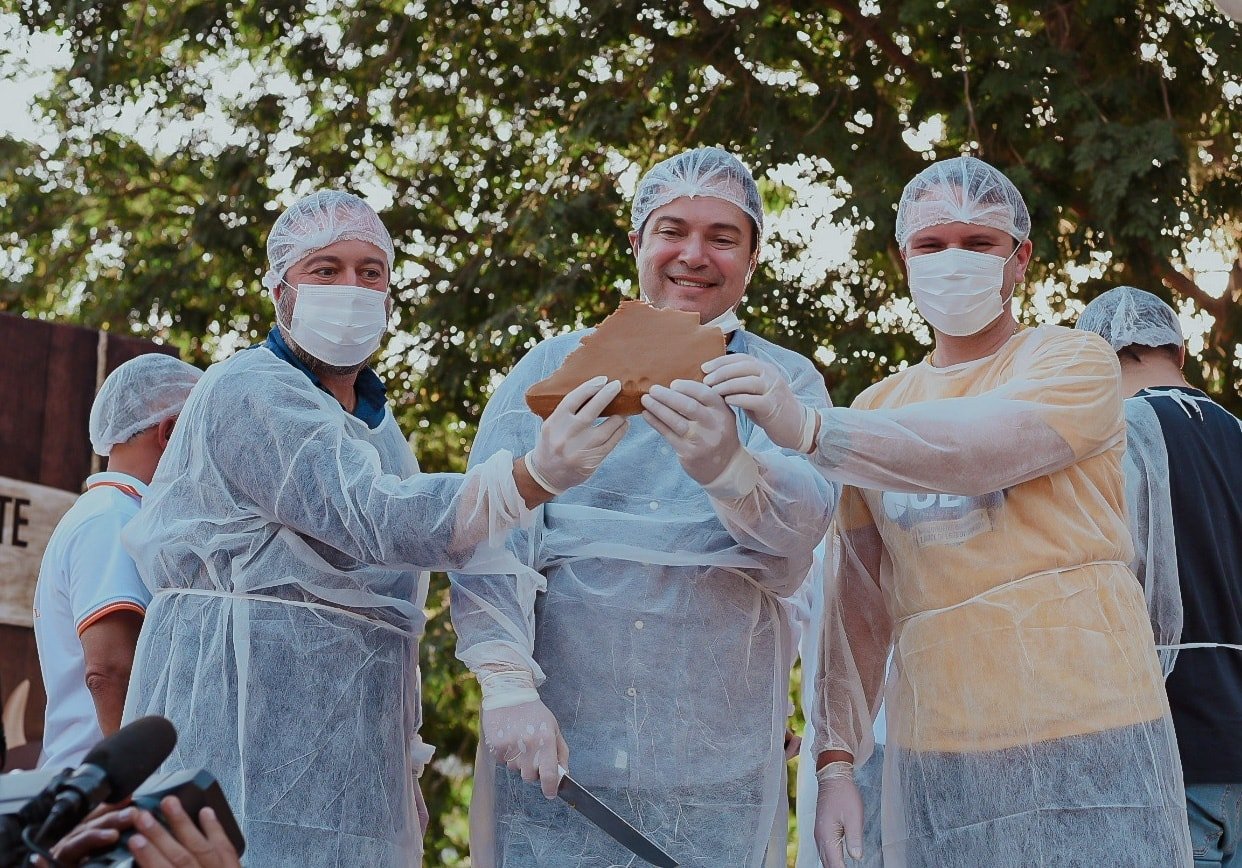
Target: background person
(1184, 463)
(984, 543)
(89, 599)
(647, 645)
(286, 541)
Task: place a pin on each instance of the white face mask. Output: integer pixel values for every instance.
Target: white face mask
(340, 325)
(958, 291)
(727, 322)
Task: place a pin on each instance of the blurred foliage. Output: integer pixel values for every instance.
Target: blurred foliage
(501, 137)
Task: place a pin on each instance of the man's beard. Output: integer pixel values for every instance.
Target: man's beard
(320, 368)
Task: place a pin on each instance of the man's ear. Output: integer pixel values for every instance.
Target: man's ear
(1181, 357)
(1022, 258)
(634, 239)
(163, 432)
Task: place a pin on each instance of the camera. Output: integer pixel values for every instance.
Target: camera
(195, 789)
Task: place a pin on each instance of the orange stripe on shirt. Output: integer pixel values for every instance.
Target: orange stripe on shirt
(121, 486)
(120, 606)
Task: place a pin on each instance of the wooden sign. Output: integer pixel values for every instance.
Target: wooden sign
(28, 515)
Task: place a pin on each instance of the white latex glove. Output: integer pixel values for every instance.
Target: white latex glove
(702, 430)
(528, 740)
(761, 390)
(571, 446)
(838, 815)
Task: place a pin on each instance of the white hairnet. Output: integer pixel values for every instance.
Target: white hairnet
(702, 172)
(1125, 316)
(962, 190)
(138, 395)
(316, 221)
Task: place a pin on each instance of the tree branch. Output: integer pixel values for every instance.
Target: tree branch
(709, 22)
(970, 105)
(868, 28)
(1184, 286)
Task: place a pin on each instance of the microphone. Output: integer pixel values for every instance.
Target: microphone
(25, 799)
(111, 771)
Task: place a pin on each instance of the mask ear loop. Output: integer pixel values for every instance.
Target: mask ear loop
(1013, 291)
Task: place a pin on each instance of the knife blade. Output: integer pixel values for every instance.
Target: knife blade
(604, 818)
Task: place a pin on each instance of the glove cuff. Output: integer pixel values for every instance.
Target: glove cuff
(838, 769)
(503, 688)
(738, 479)
(806, 439)
(540, 479)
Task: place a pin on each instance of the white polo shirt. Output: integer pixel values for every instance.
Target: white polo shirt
(85, 575)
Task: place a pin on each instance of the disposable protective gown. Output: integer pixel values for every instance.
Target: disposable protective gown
(1128, 317)
(653, 626)
(983, 539)
(1150, 513)
(285, 543)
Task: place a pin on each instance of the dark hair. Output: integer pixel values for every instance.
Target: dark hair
(1135, 352)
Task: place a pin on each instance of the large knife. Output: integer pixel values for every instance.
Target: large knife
(577, 797)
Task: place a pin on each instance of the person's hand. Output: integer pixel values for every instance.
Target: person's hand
(153, 846)
(793, 744)
(838, 815)
(571, 446)
(762, 391)
(527, 739)
(101, 829)
(702, 430)
(182, 845)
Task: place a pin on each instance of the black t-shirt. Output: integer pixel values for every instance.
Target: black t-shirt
(1205, 479)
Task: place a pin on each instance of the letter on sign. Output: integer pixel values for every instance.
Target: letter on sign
(28, 515)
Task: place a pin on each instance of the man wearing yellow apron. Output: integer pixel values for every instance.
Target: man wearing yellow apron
(984, 542)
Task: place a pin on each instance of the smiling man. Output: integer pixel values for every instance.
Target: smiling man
(984, 544)
(286, 539)
(649, 647)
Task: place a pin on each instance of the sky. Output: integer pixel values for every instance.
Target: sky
(26, 69)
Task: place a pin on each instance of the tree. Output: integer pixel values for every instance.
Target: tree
(507, 135)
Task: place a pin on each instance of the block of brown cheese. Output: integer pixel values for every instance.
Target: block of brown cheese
(639, 345)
